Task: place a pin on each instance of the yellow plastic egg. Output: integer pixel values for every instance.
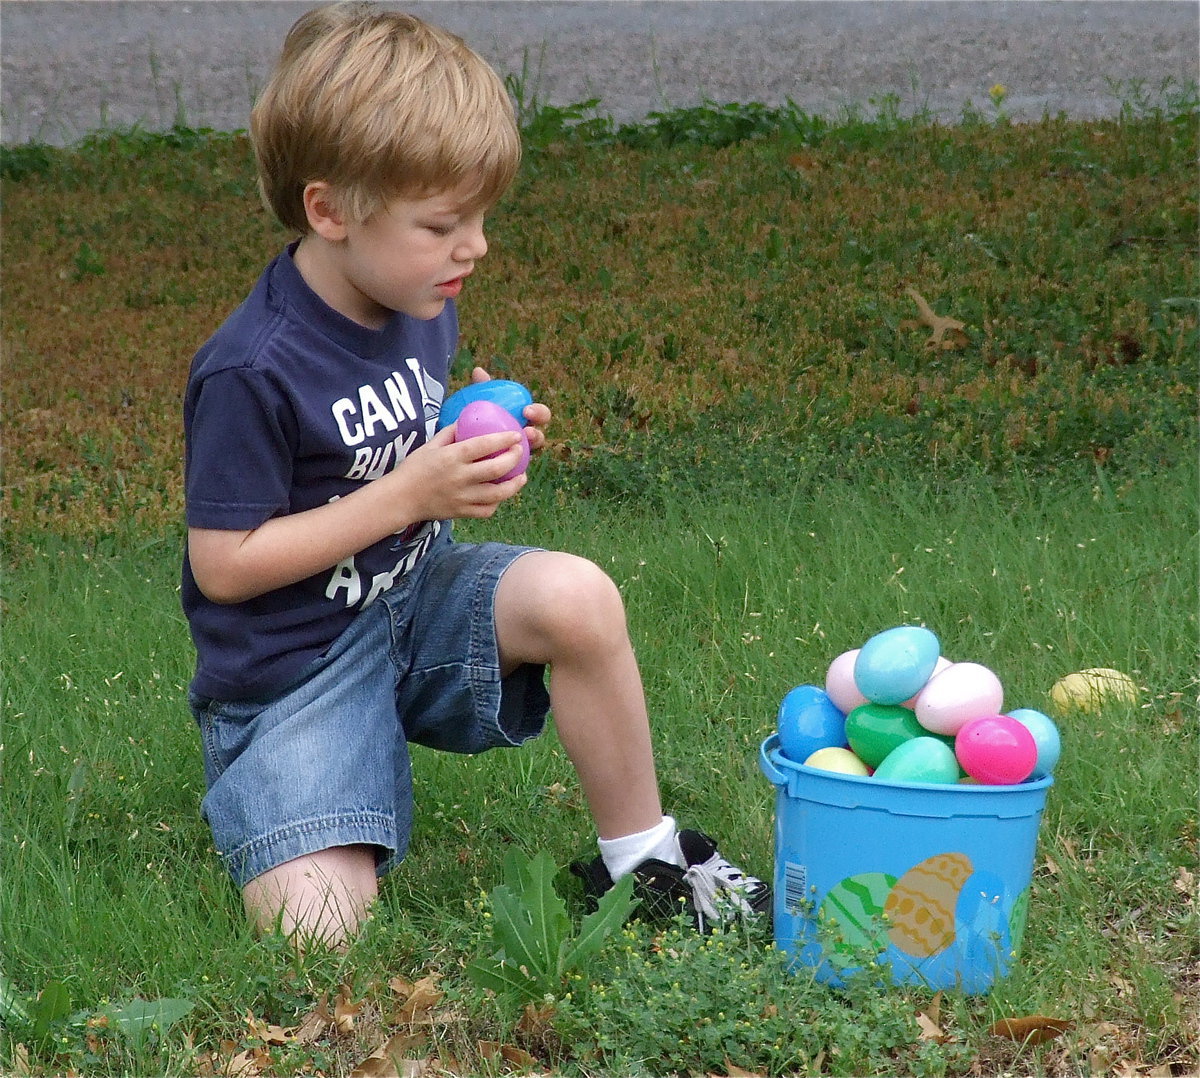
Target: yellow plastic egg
(843, 761)
(1089, 690)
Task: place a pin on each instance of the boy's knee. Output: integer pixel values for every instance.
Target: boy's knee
(579, 602)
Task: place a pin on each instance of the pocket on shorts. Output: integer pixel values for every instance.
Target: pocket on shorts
(226, 729)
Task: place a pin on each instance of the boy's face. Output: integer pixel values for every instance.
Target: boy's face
(411, 256)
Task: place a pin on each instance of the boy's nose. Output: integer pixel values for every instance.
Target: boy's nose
(473, 246)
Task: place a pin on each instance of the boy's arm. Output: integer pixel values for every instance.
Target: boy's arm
(440, 480)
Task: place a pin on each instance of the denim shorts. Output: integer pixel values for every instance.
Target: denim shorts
(326, 762)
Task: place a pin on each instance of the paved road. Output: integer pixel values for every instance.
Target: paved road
(70, 66)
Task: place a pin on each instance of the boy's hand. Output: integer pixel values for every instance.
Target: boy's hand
(538, 415)
(445, 479)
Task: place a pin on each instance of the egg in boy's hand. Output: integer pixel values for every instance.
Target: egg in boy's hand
(484, 417)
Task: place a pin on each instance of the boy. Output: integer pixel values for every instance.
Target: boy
(335, 619)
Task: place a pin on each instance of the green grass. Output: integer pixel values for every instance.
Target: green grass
(111, 887)
(763, 454)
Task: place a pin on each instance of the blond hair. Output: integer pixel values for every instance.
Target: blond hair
(379, 105)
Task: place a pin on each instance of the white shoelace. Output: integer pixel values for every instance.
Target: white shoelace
(715, 884)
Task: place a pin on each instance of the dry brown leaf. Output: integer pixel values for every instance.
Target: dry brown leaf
(947, 333)
(934, 1010)
(930, 1030)
(510, 1053)
(387, 1061)
(20, 1060)
(247, 1064)
(1185, 884)
(268, 1033)
(315, 1025)
(345, 1012)
(1033, 1029)
(518, 1057)
(535, 1020)
(732, 1070)
(419, 998)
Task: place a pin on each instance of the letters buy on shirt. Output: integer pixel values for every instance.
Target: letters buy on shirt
(288, 406)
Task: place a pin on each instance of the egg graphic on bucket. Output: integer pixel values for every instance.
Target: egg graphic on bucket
(921, 905)
(853, 910)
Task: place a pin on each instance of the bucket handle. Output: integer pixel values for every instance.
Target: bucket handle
(778, 777)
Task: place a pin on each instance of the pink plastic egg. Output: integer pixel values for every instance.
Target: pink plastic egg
(997, 750)
(484, 417)
(839, 683)
(961, 692)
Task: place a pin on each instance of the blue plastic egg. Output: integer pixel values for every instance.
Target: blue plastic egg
(808, 720)
(1045, 736)
(895, 664)
(511, 396)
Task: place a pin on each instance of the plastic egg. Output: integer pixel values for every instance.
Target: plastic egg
(961, 692)
(511, 396)
(896, 663)
(1088, 690)
(874, 730)
(996, 749)
(1045, 736)
(922, 759)
(941, 665)
(808, 720)
(842, 761)
(839, 683)
(484, 417)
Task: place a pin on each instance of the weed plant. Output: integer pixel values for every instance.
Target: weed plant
(765, 455)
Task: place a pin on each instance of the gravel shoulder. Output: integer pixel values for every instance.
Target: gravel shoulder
(68, 67)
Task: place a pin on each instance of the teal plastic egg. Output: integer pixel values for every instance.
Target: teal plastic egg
(923, 759)
(895, 664)
(1045, 736)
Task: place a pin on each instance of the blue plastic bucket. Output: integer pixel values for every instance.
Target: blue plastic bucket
(931, 882)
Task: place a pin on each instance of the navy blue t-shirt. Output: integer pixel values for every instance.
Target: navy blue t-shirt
(290, 405)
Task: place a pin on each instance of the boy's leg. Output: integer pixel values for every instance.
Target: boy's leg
(320, 898)
(564, 611)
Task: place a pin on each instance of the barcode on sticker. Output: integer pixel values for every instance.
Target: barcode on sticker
(795, 885)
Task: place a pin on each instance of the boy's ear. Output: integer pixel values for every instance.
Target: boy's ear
(323, 210)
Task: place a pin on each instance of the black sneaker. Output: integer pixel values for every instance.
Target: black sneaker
(710, 890)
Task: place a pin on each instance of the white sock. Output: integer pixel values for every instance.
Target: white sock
(622, 855)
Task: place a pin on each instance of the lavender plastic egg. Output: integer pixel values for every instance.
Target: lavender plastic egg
(484, 417)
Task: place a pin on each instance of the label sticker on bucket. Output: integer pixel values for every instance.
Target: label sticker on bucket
(795, 886)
